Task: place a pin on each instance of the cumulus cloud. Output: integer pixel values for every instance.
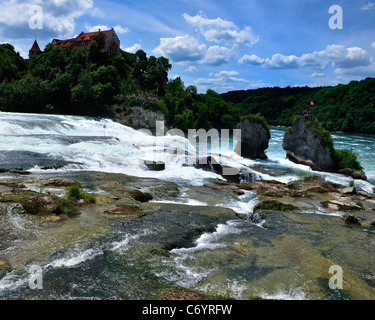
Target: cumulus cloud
(117, 28)
(373, 45)
(120, 29)
(181, 49)
(318, 75)
(191, 69)
(369, 6)
(279, 61)
(58, 17)
(253, 59)
(343, 57)
(225, 81)
(221, 31)
(224, 73)
(217, 56)
(186, 50)
(360, 72)
(134, 48)
(339, 56)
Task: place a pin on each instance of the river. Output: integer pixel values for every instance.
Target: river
(287, 257)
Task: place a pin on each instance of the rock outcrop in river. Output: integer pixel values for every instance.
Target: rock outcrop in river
(255, 136)
(307, 143)
(304, 145)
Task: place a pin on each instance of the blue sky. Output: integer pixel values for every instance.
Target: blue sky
(221, 45)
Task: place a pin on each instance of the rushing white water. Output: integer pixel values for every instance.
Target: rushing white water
(79, 143)
(102, 145)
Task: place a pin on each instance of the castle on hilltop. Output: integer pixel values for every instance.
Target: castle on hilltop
(83, 40)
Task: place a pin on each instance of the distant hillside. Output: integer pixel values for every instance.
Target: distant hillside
(349, 108)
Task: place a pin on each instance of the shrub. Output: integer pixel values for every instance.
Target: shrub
(74, 192)
(315, 125)
(63, 206)
(347, 159)
(89, 198)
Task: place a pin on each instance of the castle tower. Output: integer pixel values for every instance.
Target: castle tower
(35, 50)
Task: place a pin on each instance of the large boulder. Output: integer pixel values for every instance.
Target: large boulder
(355, 174)
(136, 117)
(255, 136)
(305, 144)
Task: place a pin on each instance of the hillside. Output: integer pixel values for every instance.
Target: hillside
(349, 108)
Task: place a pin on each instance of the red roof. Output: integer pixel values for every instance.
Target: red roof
(89, 35)
(65, 43)
(82, 37)
(35, 47)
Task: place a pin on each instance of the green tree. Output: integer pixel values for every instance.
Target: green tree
(12, 65)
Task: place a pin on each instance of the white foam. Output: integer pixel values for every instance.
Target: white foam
(123, 244)
(244, 205)
(188, 202)
(320, 211)
(75, 258)
(282, 294)
(12, 281)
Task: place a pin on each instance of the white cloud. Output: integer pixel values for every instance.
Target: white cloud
(318, 75)
(339, 56)
(134, 48)
(221, 31)
(347, 57)
(369, 6)
(181, 49)
(226, 74)
(187, 50)
(58, 17)
(216, 55)
(191, 69)
(373, 45)
(120, 29)
(279, 61)
(253, 59)
(95, 28)
(313, 60)
(117, 28)
(359, 72)
(225, 81)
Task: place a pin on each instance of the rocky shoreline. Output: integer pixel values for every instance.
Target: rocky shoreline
(122, 198)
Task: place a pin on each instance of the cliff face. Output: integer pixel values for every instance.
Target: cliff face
(136, 117)
(254, 141)
(303, 145)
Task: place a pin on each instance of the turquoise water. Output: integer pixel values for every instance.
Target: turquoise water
(363, 145)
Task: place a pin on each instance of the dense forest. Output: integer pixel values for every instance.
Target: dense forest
(349, 108)
(82, 82)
